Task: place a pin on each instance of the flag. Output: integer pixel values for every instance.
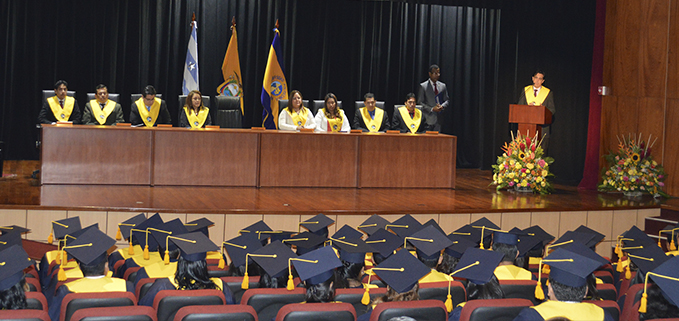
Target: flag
(191, 65)
(274, 86)
(232, 86)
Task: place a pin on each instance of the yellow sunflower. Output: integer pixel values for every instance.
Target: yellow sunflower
(522, 155)
(635, 157)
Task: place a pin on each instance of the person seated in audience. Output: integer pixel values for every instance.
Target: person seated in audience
(238, 248)
(408, 119)
(400, 272)
(60, 107)
(273, 259)
(429, 242)
(296, 116)
(191, 271)
(13, 261)
(452, 254)
(317, 271)
(124, 233)
(352, 254)
(194, 114)
(507, 245)
(370, 118)
(168, 266)
(661, 300)
(477, 267)
(148, 110)
(102, 111)
(141, 235)
(331, 118)
(89, 251)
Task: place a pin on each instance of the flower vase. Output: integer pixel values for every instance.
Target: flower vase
(522, 189)
(632, 194)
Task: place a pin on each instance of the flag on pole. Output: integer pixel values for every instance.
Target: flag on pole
(232, 85)
(191, 65)
(274, 86)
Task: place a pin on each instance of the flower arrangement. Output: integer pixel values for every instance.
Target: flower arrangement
(633, 168)
(522, 166)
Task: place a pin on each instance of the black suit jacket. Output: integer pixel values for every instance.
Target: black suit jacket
(360, 124)
(399, 124)
(46, 115)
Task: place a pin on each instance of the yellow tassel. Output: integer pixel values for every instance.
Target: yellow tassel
(539, 293)
(481, 245)
(617, 250)
(64, 257)
(50, 238)
(365, 300)
(673, 247)
(291, 284)
(545, 269)
(61, 276)
(130, 249)
(222, 263)
(119, 236)
(659, 243)
(246, 282)
(619, 267)
(167, 257)
(146, 252)
(642, 305)
(449, 303)
(628, 273)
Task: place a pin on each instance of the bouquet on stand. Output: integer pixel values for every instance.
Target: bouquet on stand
(522, 166)
(632, 169)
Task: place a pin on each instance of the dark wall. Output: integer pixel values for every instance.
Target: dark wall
(486, 50)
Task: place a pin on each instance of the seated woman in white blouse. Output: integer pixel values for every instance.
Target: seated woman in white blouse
(331, 118)
(296, 116)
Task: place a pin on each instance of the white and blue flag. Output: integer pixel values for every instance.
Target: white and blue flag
(191, 65)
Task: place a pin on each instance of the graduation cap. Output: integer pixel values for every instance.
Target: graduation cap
(8, 240)
(510, 238)
(433, 223)
(570, 237)
(666, 276)
(528, 242)
(635, 237)
(316, 266)
(63, 227)
(347, 232)
(90, 247)
(579, 248)
(240, 246)
(281, 235)
(384, 242)
(404, 226)
(401, 271)
(257, 228)
(305, 242)
(124, 227)
(459, 246)
(273, 258)
(352, 250)
(161, 233)
(537, 232)
(13, 229)
(140, 234)
(647, 257)
(477, 265)
(670, 231)
(464, 232)
(13, 261)
(429, 242)
(598, 237)
(373, 224)
(200, 225)
(318, 224)
(570, 268)
(193, 246)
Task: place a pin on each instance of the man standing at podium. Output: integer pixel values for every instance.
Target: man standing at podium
(539, 95)
(433, 96)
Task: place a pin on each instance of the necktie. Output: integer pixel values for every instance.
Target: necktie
(535, 92)
(102, 106)
(436, 90)
(61, 102)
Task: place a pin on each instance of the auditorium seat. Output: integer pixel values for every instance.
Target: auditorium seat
(354, 296)
(143, 286)
(439, 291)
(625, 283)
(422, 310)
(47, 93)
(227, 112)
(168, 302)
(361, 104)
(111, 96)
(267, 302)
(131, 273)
(135, 97)
(25, 315)
(133, 313)
(375, 280)
(217, 313)
(317, 105)
(609, 306)
(284, 103)
(607, 291)
(36, 301)
(73, 302)
(495, 309)
(520, 289)
(234, 283)
(317, 312)
(605, 276)
(215, 272)
(33, 284)
(396, 107)
(632, 296)
(182, 102)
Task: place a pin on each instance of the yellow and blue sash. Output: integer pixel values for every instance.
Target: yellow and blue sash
(61, 114)
(104, 284)
(299, 119)
(101, 114)
(373, 125)
(574, 311)
(334, 124)
(413, 123)
(530, 95)
(512, 272)
(149, 117)
(196, 120)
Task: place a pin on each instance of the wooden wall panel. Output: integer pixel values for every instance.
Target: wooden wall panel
(13, 217)
(622, 221)
(451, 222)
(673, 56)
(40, 223)
(626, 49)
(671, 149)
(609, 43)
(602, 222)
(651, 110)
(88, 218)
(549, 221)
(652, 47)
(511, 220)
(569, 221)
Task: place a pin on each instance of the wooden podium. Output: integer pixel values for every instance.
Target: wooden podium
(530, 118)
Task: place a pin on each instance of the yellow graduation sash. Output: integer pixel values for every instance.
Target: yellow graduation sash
(149, 117)
(59, 113)
(138, 252)
(334, 124)
(213, 255)
(512, 272)
(154, 257)
(105, 284)
(435, 276)
(196, 121)
(160, 270)
(299, 119)
(373, 125)
(530, 95)
(99, 114)
(412, 123)
(73, 273)
(573, 311)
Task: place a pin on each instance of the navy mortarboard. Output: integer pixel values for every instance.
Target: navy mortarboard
(384, 242)
(13, 261)
(373, 224)
(90, 247)
(401, 271)
(273, 258)
(140, 234)
(316, 266)
(666, 276)
(477, 265)
(567, 268)
(63, 227)
(404, 226)
(466, 232)
(258, 228)
(162, 233)
(240, 246)
(507, 237)
(528, 243)
(459, 246)
(200, 225)
(579, 248)
(281, 235)
(598, 237)
(646, 257)
(125, 226)
(635, 237)
(347, 232)
(305, 242)
(570, 237)
(538, 232)
(433, 223)
(352, 250)
(429, 242)
(13, 229)
(193, 246)
(318, 224)
(10, 239)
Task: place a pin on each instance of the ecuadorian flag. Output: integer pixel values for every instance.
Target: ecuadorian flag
(274, 87)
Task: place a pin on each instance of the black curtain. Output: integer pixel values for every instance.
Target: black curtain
(347, 47)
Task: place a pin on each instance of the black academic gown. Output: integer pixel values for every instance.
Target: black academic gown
(165, 284)
(360, 124)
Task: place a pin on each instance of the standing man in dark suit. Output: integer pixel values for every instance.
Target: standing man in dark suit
(59, 107)
(539, 95)
(102, 111)
(433, 96)
(149, 110)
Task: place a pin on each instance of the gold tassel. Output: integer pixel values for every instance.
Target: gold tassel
(449, 303)
(130, 250)
(642, 305)
(50, 238)
(246, 282)
(619, 267)
(291, 284)
(539, 293)
(222, 263)
(673, 246)
(166, 260)
(119, 235)
(628, 273)
(146, 252)
(617, 250)
(61, 276)
(545, 269)
(64, 257)
(365, 300)
(659, 243)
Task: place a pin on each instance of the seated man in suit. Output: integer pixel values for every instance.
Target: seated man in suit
(370, 118)
(408, 119)
(149, 110)
(60, 107)
(102, 111)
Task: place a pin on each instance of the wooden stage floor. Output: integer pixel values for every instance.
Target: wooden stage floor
(472, 195)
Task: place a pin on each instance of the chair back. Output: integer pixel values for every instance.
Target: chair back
(135, 97)
(131, 273)
(354, 296)
(605, 276)
(226, 103)
(317, 312)
(73, 302)
(112, 96)
(519, 289)
(234, 283)
(610, 306)
(607, 291)
(422, 310)
(317, 105)
(439, 291)
(267, 302)
(168, 302)
(133, 313)
(36, 301)
(496, 309)
(633, 296)
(47, 93)
(230, 118)
(217, 313)
(182, 101)
(25, 315)
(361, 104)
(143, 287)
(282, 103)
(396, 107)
(33, 284)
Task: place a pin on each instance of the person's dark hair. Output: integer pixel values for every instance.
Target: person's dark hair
(486, 291)
(94, 269)
(509, 251)
(657, 306)
(14, 298)
(568, 293)
(592, 291)
(429, 262)
(410, 95)
(335, 113)
(521, 261)
(346, 273)
(268, 282)
(378, 258)
(193, 275)
(448, 263)
(540, 72)
(320, 293)
(433, 67)
(59, 83)
(148, 90)
(402, 318)
(292, 94)
(174, 254)
(393, 296)
(100, 86)
(368, 95)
